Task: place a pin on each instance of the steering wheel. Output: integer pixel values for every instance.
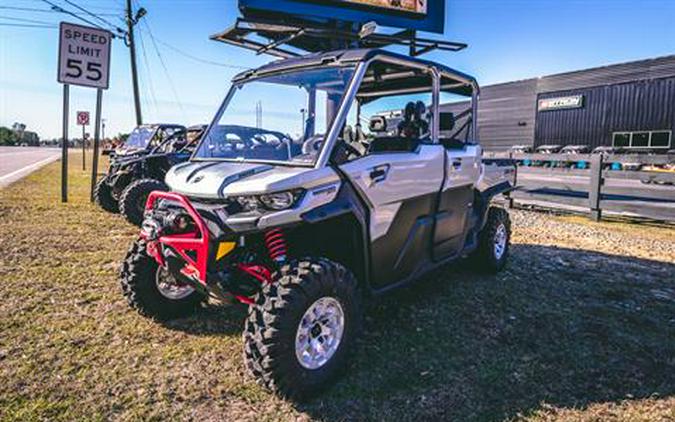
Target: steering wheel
(312, 145)
(351, 149)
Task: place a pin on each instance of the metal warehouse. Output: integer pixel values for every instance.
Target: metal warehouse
(629, 105)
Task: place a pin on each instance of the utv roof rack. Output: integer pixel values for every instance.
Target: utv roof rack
(282, 37)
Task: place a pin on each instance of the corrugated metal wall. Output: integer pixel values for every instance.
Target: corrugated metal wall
(506, 114)
(635, 106)
(662, 67)
(628, 96)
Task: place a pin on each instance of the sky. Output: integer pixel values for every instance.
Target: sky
(508, 40)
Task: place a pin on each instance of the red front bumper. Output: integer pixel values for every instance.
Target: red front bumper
(197, 241)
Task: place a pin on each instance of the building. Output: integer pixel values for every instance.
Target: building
(630, 105)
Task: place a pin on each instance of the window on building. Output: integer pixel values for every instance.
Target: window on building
(622, 140)
(642, 139)
(661, 139)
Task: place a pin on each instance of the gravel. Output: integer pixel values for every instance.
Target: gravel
(616, 237)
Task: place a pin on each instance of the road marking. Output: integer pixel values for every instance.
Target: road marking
(11, 154)
(29, 168)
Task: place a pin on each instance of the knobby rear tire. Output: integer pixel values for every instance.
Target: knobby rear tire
(104, 198)
(484, 258)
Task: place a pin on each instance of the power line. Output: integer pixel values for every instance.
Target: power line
(75, 15)
(148, 72)
(90, 4)
(34, 9)
(12, 18)
(166, 71)
(25, 25)
(78, 7)
(190, 56)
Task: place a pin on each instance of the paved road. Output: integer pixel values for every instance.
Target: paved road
(18, 162)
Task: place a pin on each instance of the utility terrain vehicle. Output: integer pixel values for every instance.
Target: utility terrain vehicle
(138, 167)
(303, 213)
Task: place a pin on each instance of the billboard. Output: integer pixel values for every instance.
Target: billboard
(421, 15)
(410, 6)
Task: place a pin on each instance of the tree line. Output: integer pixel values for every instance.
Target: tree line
(18, 135)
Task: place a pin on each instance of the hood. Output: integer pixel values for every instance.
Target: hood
(127, 151)
(128, 158)
(209, 179)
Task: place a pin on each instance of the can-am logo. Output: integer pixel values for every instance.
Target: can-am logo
(560, 103)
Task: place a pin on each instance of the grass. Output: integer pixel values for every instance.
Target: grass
(562, 334)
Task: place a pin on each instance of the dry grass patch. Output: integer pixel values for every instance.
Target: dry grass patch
(580, 326)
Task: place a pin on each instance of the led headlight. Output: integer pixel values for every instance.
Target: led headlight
(271, 201)
(278, 201)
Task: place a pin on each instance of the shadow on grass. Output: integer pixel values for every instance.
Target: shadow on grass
(212, 320)
(560, 326)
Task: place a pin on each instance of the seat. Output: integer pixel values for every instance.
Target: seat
(350, 138)
(414, 125)
(393, 144)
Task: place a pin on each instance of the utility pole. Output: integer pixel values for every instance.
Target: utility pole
(131, 21)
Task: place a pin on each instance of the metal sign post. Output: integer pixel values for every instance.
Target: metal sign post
(64, 145)
(83, 120)
(84, 60)
(97, 128)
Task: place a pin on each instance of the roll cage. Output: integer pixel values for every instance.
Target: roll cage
(377, 74)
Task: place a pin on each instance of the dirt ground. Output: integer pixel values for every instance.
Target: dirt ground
(579, 327)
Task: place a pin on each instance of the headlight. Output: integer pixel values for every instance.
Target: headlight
(271, 201)
(278, 201)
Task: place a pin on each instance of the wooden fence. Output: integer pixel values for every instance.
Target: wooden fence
(560, 181)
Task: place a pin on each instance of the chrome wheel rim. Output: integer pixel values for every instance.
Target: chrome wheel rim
(319, 333)
(169, 287)
(500, 241)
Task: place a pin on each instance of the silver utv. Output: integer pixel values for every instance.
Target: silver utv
(302, 198)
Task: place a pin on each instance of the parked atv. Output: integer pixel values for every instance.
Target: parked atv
(138, 167)
(305, 218)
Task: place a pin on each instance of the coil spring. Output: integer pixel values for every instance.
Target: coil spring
(276, 245)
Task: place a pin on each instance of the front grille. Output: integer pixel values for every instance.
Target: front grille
(229, 206)
(208, 201)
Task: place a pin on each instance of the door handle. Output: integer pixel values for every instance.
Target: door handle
(379, 173)
(456, 163)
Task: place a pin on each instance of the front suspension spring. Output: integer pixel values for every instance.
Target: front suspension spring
(276, 245)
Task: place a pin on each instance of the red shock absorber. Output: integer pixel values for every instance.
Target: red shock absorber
(276, 245)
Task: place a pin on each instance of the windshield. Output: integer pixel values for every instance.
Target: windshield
(139, 137)
(277, 118)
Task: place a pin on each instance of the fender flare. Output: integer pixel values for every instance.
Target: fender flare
(347, 201)
(485, 198)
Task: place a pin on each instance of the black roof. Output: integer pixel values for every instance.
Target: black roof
(345, 57)
(282, 35)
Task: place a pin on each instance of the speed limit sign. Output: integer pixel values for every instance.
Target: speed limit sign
(84, 59)
(84, 56)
